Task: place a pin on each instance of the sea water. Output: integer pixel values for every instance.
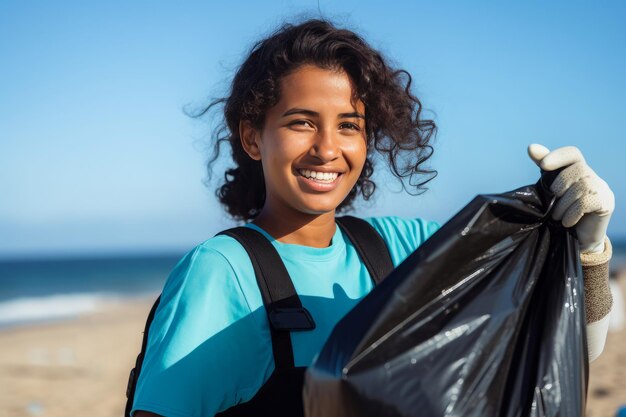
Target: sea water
(32, 291)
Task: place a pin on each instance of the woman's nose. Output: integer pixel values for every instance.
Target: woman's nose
(326, 146)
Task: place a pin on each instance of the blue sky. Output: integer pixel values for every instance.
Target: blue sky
(97, 155)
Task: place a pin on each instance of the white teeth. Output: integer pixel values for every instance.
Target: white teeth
(319, 176)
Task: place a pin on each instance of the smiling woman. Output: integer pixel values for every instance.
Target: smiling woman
(366, 85)
(307, 111)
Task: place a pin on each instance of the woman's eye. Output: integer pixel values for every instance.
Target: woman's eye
(301, 123)
(350, 126)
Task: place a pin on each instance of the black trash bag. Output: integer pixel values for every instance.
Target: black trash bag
(485, 319)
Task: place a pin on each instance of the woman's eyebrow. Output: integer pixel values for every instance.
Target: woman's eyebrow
(311, 113)
(354, 114)
(297, 110)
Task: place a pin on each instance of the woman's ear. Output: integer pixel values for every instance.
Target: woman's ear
(249, 139)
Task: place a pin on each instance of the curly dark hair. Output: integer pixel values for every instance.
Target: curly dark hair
(394, 125)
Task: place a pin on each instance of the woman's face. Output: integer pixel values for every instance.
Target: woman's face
(313, 143)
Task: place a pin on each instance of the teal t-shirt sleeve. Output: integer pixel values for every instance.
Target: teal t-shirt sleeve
(205, 347)
(403, 236)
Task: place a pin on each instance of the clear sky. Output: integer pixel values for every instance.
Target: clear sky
(97, 155)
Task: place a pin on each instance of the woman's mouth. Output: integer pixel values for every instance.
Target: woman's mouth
(317, 176)
(318, 181)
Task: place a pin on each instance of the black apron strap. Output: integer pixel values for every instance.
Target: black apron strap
(369, 245)
(283, 306)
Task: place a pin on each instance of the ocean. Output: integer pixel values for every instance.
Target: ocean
(33, 291)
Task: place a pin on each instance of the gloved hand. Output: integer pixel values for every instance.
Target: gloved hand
(584, 200)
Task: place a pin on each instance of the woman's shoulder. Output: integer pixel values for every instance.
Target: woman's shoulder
(395, 225)
(215, 264)
(403, 235)
(219, 250)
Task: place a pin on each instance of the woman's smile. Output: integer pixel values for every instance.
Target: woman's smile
(319, 181)
(319, 176)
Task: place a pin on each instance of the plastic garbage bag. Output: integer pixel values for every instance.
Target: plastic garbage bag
(486, 318)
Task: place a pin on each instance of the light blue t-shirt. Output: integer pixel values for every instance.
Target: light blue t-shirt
(209, 346)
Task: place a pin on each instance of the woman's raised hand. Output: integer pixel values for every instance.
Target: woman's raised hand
(584, 200)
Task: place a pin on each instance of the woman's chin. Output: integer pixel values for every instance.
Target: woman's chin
(318, 208)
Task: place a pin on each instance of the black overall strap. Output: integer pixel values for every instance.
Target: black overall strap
(284, 309)
(369, 245)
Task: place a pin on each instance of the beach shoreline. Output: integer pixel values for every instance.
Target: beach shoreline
(81, 365)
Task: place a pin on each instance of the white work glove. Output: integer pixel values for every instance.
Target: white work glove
(584, 200)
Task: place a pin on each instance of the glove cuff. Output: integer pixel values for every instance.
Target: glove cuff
(598, 298)
(593, 259)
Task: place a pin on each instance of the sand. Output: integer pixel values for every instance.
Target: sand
(80, 367)
(77, 367)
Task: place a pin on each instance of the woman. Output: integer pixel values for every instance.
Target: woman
(308, 109)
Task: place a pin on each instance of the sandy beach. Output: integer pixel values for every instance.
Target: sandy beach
(80, 367)
(77, 367)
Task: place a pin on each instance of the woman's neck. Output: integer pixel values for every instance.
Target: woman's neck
(315, 230)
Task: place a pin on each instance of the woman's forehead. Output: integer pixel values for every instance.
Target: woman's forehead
(324, 89)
